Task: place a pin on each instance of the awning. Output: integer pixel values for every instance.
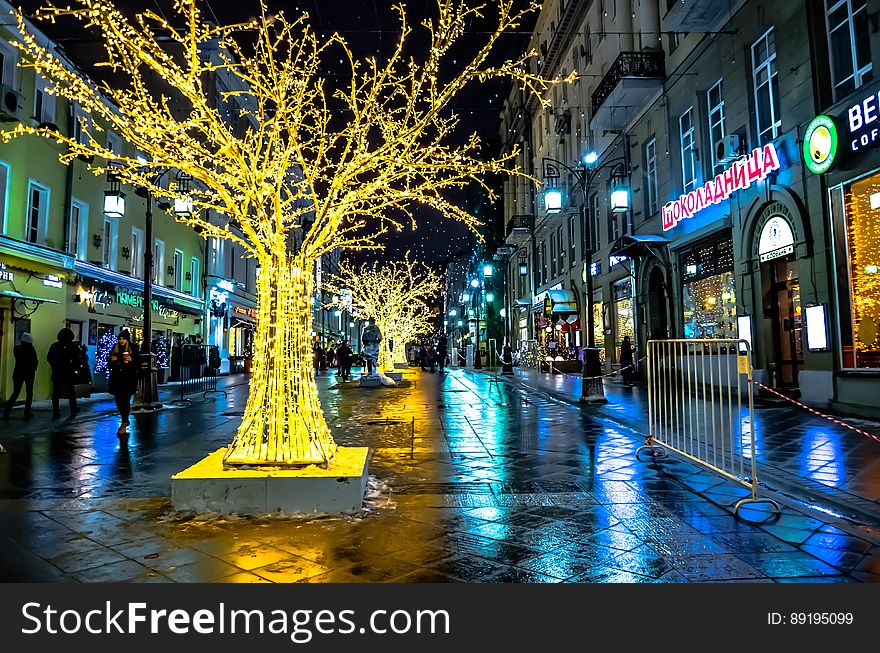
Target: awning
(638, 246)
(27, 298)
(242, 324)
(563, 302)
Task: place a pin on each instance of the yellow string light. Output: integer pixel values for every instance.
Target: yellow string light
(349, 162)
(393, 294)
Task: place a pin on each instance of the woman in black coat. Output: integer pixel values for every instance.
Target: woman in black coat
(64, 359)
(122, 383)
(26, 362)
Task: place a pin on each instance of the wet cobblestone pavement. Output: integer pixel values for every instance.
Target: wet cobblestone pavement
(472, 480)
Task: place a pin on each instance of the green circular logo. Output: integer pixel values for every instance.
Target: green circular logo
(820, 144)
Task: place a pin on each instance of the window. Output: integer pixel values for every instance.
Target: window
(178, 269)
(552, 255)
(109, 244)
(195, 278)
(232, 262)
(79, 229)
(688, 164)
(593, 216)
(114, 143)
(44, 104)
(543, 261)
(572, 239)
(602, 14)
(7, 64)
(37, 213)
(856, 241)
(674, 40)
(81, 125)
(587, 51)
(560, 249)
(4, 196)
(137, 252)
(159, 262)
(709, 289)
(766, 82)
(613, 226)
(651, 202)
(715, 100)
(848, 44)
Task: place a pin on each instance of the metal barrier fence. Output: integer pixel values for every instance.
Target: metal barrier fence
(199, 366)
(701, 405)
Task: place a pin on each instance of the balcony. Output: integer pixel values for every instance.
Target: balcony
(519, 228)
(633, 78)
(694, 15)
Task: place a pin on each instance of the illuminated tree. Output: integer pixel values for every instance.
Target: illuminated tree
(310, 164)
(393, 294)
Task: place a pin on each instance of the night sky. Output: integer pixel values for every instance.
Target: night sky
(371, 28)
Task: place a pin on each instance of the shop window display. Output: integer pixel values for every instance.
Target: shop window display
(709, 290)
(624, 314)
(861, 332)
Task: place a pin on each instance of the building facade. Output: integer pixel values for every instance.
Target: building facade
(63, 260)
(679, 157)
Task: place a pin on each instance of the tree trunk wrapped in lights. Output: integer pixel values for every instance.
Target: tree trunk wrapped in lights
(295, 168)
(394, 295)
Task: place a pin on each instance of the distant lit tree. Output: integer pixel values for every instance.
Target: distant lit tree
(393, 294)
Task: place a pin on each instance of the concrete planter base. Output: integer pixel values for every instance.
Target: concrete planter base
(208, 487)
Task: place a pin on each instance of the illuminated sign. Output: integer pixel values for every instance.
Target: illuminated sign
(862, 119)
(820, 144)
(52, 281)
(137, 301)
(777, 239)
(5, 275)
(742, 174)
(250, 312)
(817, 328)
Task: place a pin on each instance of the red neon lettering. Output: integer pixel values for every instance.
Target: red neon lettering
(728, 182)
(739, 176)
(668, 220)
(754, 166)
(718, 190)
(771, 161)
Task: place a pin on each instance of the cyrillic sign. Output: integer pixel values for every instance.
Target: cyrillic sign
(742, 174)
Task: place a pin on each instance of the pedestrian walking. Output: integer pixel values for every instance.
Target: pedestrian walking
(319, 357)
(63, 357)
(423, 357)
(626, 360)
(343, 357)
(23, 373)
(442, 354)
(506, 358)
(122, 382)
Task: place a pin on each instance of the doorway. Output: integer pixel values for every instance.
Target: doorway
(658, 324)
(784, 303)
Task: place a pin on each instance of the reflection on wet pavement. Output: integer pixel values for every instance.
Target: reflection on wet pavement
(472, 480)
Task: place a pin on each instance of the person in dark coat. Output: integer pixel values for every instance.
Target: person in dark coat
(343, 358)
(507, 358)
(26, 362)
(63, 357)
(123, 363)
(442, 354)
(626, 360)
(319, 357)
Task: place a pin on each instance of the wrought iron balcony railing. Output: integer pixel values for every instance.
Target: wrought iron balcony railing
(520, 223)
(647, 64)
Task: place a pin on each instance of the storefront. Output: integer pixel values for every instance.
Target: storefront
(557, 324)
(842, 148)
(100, 309)
(31, 301)
(708, 288)
(623, 314)
(242, 324)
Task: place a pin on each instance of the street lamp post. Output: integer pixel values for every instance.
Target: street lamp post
(592, 389)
